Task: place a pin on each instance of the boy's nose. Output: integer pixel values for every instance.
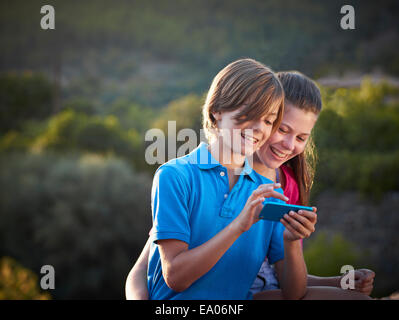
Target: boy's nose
(259, 125)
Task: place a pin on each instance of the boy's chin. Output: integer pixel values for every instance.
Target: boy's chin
(248, 152)
(245, 152)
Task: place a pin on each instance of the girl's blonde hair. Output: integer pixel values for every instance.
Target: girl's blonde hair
(243, 83)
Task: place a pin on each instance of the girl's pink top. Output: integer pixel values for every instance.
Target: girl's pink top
(291, 189)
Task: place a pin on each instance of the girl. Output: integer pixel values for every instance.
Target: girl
(206, 204)
(288, 156)
(287, 145)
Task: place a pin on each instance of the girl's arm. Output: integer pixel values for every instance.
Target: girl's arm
(136, 282)
(364, 279)
(181, 267)
(291, 271)
(315, 281)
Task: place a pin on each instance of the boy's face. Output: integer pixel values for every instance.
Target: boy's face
(290, 138)
(244, 138)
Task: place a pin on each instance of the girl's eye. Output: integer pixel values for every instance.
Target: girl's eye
(301, 139)
(268, 122)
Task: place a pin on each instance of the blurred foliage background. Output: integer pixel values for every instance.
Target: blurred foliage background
(76, 102)
(18, 283)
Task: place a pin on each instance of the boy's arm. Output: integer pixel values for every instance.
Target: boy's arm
(136, 282)
(181, 266)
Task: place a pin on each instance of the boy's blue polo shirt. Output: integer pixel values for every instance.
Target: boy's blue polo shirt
(191, 202)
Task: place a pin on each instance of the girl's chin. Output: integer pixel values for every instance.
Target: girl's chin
(272, 162)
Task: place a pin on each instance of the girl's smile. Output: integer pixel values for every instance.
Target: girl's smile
(279, 155)
(290, 138)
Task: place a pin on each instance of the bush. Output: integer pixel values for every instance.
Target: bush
(186, 111)
(23, 97)
(19, 283)
(359, 119)
(372, 173)
(69, 131)
(325, 256)
(88, 216)
(357, 140)
(131, 115)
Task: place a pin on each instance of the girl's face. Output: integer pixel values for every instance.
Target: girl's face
(290, 138)
(244, 138)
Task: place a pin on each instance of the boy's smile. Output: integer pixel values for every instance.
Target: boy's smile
(244, 138)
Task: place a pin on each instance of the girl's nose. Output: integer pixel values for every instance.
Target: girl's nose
(288, 142)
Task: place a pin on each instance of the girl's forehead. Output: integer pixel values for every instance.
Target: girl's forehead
(298, 119)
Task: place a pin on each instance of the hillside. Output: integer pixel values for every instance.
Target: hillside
(153, 52)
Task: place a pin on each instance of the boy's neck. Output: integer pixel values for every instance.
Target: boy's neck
(225, 156)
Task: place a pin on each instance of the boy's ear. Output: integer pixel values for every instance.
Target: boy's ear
(217, 115)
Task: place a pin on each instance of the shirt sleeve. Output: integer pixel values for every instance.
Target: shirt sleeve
(276, 245)
(169, 204)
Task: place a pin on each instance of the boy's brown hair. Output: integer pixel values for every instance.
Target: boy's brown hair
(243, 83)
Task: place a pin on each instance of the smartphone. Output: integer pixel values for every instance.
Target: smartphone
(274, 211)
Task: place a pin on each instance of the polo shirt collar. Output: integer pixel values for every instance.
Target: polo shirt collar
(248, 170)
(204, 159)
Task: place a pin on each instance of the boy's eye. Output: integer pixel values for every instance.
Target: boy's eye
(301, 139)
(241, 119)
(282, 130)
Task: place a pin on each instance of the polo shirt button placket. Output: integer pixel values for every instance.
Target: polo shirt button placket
(225, 212)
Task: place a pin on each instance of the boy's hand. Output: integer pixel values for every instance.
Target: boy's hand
(250, 214)
(299, 225)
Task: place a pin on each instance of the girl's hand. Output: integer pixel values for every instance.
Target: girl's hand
(250, 214)
(364, 279)
(299, 225)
